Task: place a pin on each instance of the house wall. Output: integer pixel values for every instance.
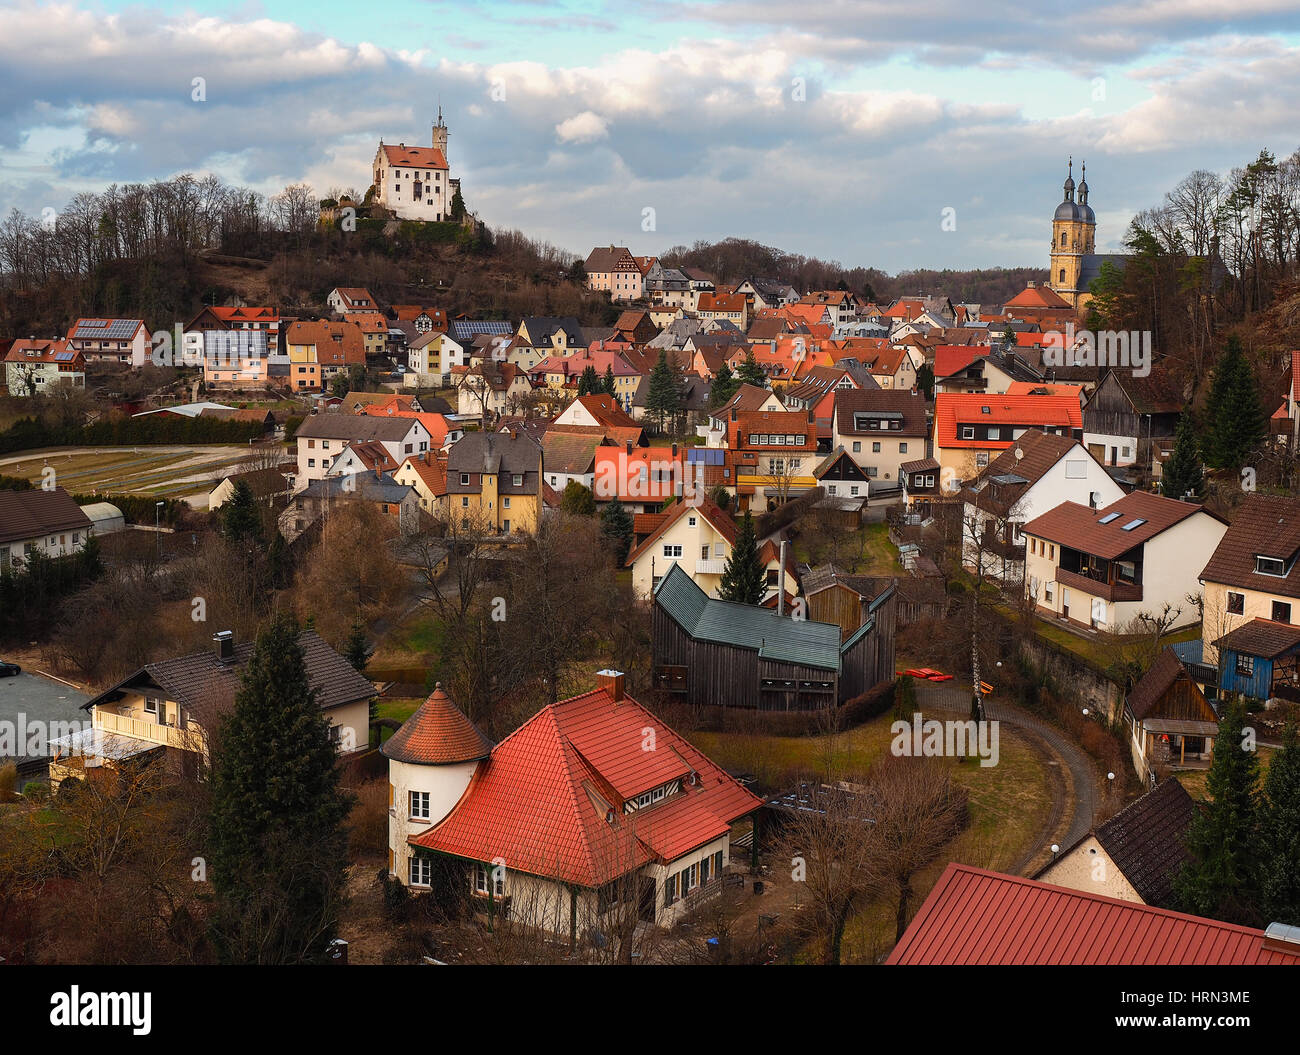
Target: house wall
(1089, 868)
(445, 785)
(883, 464)
(692, 541)
(59, 544)
(1256, 604)
(353, 720)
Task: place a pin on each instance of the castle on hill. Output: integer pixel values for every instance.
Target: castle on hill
(414, 183)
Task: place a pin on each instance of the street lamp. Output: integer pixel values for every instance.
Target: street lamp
(157, 528)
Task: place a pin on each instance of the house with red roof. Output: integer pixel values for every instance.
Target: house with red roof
(344, 299)
(571, 823)
(414, 183)
(731, 307)
(1099, 567)
(770, 456)
(441, 432)
(33, 366)
(642, 478)
(971, 429)
(967, 920)
(111, 340)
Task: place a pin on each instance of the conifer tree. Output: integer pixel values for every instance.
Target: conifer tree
(241, 521)
(744, 580)
(1220, 880)
(616, 526)
(588, 382)
(1182, 473)
(1280, 835)
(607, 382)
(663, 397)
(278, 845)
(1235, 422)
(724, 386)
(355, 649)
(750, 373)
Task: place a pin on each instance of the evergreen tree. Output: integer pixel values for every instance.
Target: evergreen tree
(1008, 339)
(355, 649)
(925, 380)
(616, 526)
(724, 386)
(1220, 881)
(241, 520)
(744, 580)
(1280, 835)
(588, 382)
(278, 845)
(458, 211)
(607, 382)
(578, 500)
(750, 373)
(1182, 473)
(663, 397)
(1235, 421)
(340, 386)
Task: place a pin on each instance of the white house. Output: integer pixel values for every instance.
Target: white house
(34, 366)
(39, 521)
(111, 341)
(414, 183)
(322, 437)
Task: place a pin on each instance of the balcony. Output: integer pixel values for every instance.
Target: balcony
(1095, 587)
(710, 567)
(189, 739)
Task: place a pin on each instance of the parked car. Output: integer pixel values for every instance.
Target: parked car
(9, 670)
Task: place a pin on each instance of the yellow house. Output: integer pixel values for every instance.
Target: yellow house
(171, 705)
(494, 483)
(428, 476)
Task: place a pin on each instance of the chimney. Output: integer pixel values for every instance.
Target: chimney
(674, 452)
(224, 642)
(629, 448)
(611, 681)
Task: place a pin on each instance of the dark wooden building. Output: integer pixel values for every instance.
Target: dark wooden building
(1169, 722)
(715, 653)
(1129, 411)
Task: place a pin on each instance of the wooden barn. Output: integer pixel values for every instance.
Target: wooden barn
(1169, 721)
(834, 596)
(715, 653)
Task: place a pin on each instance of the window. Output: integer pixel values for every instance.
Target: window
(671, 550)
(1246, 666)
(505, 502)
(830, 489)
(480, 879)
(1076, 469)
(464, 479)
(670, 889)
(311, 463)
(981, 458)
(151, 705)
(419, 805)
(1236, 603)
(875, 448)
(902, 448)
(968, 432)
(517, 479)
(1281, 612)
(853, 490)
(857, 447)
(1270, 566)
(421, 871)
(929, 481)
(690, 521)
(1062, 278)
(464, 501)
(1108, 518)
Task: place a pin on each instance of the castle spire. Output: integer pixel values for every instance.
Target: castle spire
(1069, 181)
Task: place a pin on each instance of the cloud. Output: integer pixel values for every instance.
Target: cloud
(585, 127)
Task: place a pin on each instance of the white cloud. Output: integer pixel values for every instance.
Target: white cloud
(586, 127)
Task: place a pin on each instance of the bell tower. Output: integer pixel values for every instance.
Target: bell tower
(440, 134)
(1074, 228)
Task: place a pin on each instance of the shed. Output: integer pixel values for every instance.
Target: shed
(105, 518)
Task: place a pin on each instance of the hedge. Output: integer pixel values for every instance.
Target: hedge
(30, 434)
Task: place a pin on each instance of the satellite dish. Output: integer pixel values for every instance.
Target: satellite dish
(1019, 454)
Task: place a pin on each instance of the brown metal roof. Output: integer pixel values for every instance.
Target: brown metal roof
(31, 514)
(1261, 637)
(1079, 527)
(909, 404)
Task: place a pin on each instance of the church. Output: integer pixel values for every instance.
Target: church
(1075, 262)
(414, 183)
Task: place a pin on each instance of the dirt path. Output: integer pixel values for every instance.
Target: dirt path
(1074, 790)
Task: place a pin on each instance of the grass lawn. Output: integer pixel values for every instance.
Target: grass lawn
(399, 708)
(1095, 648)
(413, 642)
(866, 551)
(1194, 779)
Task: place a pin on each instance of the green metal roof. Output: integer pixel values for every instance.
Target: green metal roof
(771, 635)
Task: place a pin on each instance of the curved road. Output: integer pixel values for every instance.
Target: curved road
(945, 696)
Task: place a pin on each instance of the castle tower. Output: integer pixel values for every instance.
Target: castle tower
(440, 134)
(1074, 230)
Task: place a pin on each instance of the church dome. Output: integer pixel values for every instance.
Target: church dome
(1068, 210)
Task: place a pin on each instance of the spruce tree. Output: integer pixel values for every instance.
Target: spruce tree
(355, 649)
(1279, 879)
(241, 520)
(925, 380)
(1182, 473)
(278, 845)
(663, 397)
(1220, 880)
(607, 382)
(588, 382)
(724, 386)
(750, 373)
(616, 526)
(1235, 421)
(744, 580)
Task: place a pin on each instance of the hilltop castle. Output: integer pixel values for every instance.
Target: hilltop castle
(1074, 239)
(414, 183)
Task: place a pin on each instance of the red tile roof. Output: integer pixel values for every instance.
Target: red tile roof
(549, 800)
(1038, 297)
(973, 916)
(714, 514)
(960, 408)
(415, 157)
(437, 734)
(615, 469)
(1080, 527)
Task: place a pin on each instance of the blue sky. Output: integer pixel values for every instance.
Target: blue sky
(837, 128)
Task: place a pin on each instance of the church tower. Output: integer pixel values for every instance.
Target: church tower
(1074, 231)
(440, 135)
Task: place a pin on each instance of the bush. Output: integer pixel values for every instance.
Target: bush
(36, 791)
(871, 704)
(8, 780)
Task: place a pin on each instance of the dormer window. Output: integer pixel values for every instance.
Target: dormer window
(1270, 566)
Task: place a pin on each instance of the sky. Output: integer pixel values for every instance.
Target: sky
(931, 133)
